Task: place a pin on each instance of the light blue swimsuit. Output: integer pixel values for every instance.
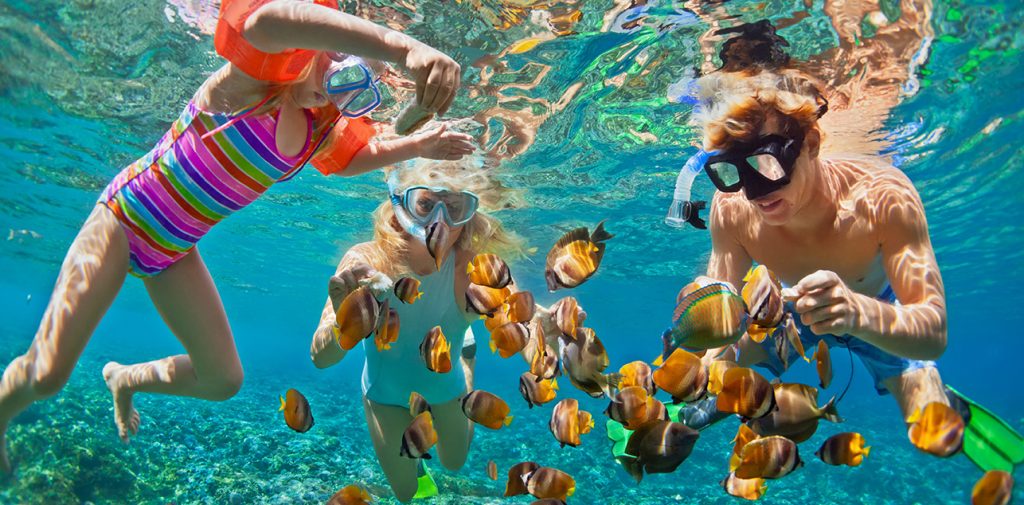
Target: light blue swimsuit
(389, 376)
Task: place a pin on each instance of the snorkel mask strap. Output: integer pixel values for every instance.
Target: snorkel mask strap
(401, 214)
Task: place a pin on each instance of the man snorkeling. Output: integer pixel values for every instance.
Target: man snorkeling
(848, 235)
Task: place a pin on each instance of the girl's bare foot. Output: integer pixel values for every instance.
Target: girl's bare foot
(125, 416)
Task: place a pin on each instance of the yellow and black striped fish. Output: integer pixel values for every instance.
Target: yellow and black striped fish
(489, 270)
(575, 257)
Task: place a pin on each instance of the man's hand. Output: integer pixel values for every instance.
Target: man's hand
(826, 304)
(348, 281)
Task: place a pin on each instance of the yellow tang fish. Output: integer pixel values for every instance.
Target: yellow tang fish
(489, 270)
(297, 414)
(486, 409)
(843, 449)
(937, 430)
(436, 351)
(575, 257)
(356, 318)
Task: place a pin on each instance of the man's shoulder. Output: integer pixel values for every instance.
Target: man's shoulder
(876, 187)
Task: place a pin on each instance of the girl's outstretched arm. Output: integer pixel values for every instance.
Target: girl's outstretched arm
(290, 24)
(436, 144)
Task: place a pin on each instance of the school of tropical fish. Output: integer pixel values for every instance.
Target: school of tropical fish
(709, 315)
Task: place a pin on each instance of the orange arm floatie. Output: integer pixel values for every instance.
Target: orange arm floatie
(342, 144)
(231, 44)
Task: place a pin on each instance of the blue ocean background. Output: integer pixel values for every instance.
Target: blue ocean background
(87, 86)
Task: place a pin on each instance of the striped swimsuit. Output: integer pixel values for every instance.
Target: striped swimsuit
(168, 199)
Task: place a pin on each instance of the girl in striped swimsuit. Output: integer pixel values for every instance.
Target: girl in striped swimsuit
(297, 61)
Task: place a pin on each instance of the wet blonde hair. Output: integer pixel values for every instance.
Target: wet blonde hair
(482, 234)
(735, 105)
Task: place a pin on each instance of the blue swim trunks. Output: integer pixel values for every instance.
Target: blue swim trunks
(880, 364)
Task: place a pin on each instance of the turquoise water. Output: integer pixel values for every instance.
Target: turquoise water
(588, 129)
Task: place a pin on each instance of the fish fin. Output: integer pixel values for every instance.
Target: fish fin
(866, 451)
(659, 360)
(554, 384)
(829, 411)
(508, 420)
(281, 408)
(750, 273)
(572, 236)
(915, 416)
(469, 267)
(494, 347)
(600, 234)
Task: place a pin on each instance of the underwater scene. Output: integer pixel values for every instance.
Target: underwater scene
(573, 120)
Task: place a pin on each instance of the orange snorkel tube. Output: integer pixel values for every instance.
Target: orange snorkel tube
(232, 46)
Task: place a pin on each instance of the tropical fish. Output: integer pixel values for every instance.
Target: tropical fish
(824, 360)
(356, 317)
(489, 270)
(541, 357)
(536, 391)
(438, 236)
(486, 409)
(744, 435)
(993, 488)
(419, 437)
(716, 372)
(516, 484)
(567, 315)
(584, 360)
(484, 300)
(748, 489)
(937, 430)
(843, 449)
(388, 327)
(296, 411)
(682, 376)
(762, 294)
(417, 404)
(633, 407)
(711, 317)
(637, 373)
(658, 447)
(436, 351)
(796, 414)
(575, 257)
(407, 289)
(520, 307)
(353, 494)
(546, 482)
(792, 334)
(747, 393)
(496, 320)
(509, 339)
(492, 470)
(568, 422)
(768, 458)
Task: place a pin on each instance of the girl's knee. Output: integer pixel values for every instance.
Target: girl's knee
(454, 462)
(47, 379)
(226, 385)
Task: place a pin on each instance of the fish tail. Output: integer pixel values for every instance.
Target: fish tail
(469, 268)
(830, 412)
(279, 409)
(554, 384)
(915, 417)
(600, 234)
(866, 451)
(508, 420)
(659, 360)
(494, 347)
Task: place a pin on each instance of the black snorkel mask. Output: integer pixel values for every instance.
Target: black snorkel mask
(759, 167)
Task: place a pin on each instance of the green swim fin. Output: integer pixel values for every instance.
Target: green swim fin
(425, 485)
(619, 435)
(989, 442)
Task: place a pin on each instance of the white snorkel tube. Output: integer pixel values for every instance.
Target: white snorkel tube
(404, 219)
(683, 210)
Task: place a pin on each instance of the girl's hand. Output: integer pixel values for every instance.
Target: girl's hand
(437, 77)
(348, 281)
(440, 144)
(826, 304)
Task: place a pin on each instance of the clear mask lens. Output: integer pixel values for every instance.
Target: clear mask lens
(767, 165)
(727, 172)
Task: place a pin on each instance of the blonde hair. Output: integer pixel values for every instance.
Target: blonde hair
(735, 105)
(482, 234)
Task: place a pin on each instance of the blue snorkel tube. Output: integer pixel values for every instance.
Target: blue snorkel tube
(683, 210)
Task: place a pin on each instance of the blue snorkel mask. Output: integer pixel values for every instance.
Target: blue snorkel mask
(351, 85)
(419, 206)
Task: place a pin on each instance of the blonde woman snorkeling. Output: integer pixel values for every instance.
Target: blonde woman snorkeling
(432, 192)
(294, 89)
